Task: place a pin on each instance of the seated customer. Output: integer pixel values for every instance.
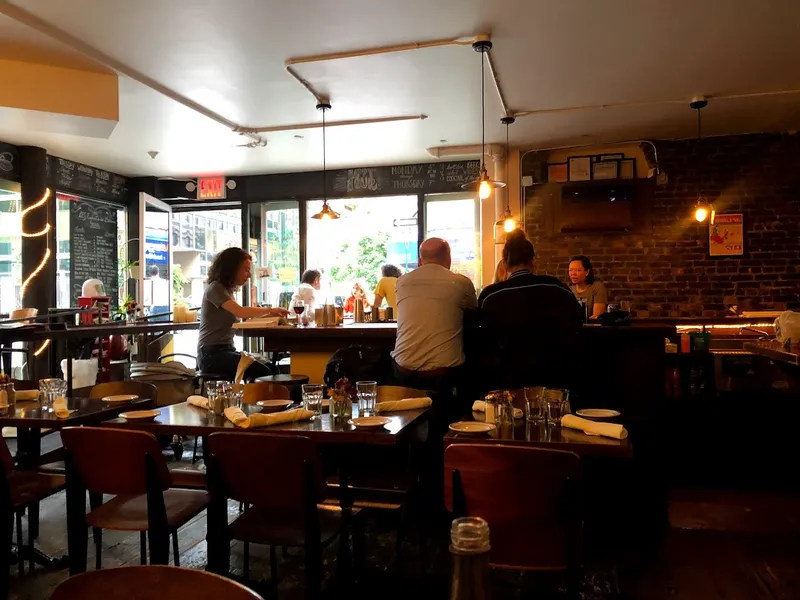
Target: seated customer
(586, 287)
(219, 311)
(387, 286)
(307, 290)
(431, 301)
(529, 324)
(356, 294)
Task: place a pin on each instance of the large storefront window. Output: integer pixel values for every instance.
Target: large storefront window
(456, 218)
(10, 246)
(371, 232)
(275, 243)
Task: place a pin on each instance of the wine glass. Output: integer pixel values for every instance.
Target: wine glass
(299, 307)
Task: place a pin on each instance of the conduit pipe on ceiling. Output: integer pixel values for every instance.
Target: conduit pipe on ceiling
(493, 150)
(461, 41)
(333, 124)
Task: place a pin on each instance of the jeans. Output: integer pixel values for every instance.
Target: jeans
(223, 360)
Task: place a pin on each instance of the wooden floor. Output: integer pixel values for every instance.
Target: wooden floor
(721, 546)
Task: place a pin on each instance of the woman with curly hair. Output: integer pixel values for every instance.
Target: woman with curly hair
(219, 311)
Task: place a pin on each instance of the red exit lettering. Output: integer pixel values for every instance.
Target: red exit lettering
(211, 188)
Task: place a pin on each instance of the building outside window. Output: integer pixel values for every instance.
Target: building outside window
(10, 246)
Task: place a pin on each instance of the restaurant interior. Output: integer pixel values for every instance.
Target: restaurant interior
(142, 141)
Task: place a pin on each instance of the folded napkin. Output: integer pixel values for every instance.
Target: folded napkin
(237, 417)
(612, 430)
(198, 401)
(399, 405)
(480, 406)
(60, 408)
(24, 395)
(244, 362)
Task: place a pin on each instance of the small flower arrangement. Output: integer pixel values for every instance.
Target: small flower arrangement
(342, 395)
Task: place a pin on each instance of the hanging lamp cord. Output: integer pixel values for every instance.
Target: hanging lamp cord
(483, 112)
(508, 200)
(324, 164)
(699, 137)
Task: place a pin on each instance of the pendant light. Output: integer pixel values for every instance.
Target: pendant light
(327, 213)
(702, 209)
(483, 185)
(507, 223)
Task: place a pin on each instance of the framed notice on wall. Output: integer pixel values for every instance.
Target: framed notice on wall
(726, 235)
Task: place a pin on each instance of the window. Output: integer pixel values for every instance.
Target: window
(276, 247)
(6, 248)
(456, 218)
(370, 233)
(10, 246)
(6, 267)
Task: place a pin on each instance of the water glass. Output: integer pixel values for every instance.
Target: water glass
(557, 402)
(535, 410)
(50, 389)
(236, 396)
(312, 398)
(222, 397)
(367, 394)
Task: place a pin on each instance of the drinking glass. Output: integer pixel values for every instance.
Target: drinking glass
(367, 394)
(211, 392)
(50, 389)
(299, 307)
(625, 305)
(535, 410)
(237, 394)
(222, 398)
(312, 398)
(557, 402)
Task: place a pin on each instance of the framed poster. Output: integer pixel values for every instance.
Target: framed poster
(627, 168)
(557, 172)
(608, 169)
(580, 168)
(726, 235)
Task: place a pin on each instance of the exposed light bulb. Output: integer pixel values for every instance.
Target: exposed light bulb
(509, 225)
(484, 190)
(701, 214)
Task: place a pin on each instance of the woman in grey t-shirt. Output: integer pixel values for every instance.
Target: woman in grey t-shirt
(586, 287)
(219, 311)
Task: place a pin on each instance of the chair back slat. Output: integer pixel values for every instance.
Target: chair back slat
(527, 495)
(264, 390)
(266, 470)
(388, 393)
(140, 388)
(5, 458)
(112, 461)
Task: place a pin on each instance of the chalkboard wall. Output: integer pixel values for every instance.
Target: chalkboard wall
(83, 180)
(93, 247)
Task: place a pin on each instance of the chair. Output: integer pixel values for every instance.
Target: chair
(128, 465)
(114, 388)
(293, 382)
(18, 491)
(530, 498)
(264, 390)
(150, 583)
(281, 490)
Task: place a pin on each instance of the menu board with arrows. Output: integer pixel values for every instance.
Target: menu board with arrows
(93, 247)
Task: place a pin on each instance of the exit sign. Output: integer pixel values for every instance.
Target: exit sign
(211, 188)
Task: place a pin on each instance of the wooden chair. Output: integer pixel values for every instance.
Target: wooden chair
(293, 382)
(128, 465)
(150, 583)
(18, 491)
(114, 388)
(282, 491)
(529, 496)
(264, 390)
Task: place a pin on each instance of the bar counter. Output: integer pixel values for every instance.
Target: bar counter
(775, 351)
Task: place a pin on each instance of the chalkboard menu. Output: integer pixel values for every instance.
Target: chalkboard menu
(93, 247)
(76, 178)
(9, 162)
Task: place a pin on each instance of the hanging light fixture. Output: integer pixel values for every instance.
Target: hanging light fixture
(327, 213)
(507, 223)
(702, 208)
(483, 185)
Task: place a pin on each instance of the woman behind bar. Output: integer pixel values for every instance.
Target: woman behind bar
(358, 292)
(387, 287)
(586, 287)
(219, 311)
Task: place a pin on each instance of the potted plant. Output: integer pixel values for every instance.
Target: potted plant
(341, 395)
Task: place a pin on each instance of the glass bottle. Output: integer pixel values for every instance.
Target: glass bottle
(469, 546)
(7, 397)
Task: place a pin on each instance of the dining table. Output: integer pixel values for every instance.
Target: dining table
(31, 421)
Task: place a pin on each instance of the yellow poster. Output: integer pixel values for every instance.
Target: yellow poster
(726, 235)
(287, 274)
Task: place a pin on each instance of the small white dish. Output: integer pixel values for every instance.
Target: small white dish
(274, 405)
(471, 427)
(597, 413)
(370, 422)
(140, 415)
(121, 398)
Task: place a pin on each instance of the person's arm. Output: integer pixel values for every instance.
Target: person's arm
(249, 312)
(600, 304)
(470, 301)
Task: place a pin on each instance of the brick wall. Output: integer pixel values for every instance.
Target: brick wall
(669, 272)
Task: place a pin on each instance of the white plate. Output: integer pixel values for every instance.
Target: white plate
(274, 405)
(597, 413)
(471, 427)
(140, 415)
(370, 422)
(121, 398)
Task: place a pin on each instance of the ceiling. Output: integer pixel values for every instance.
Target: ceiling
(229, 57)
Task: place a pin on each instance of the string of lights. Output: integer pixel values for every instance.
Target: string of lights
(34, 234)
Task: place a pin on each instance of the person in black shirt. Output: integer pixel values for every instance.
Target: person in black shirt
(529, 324)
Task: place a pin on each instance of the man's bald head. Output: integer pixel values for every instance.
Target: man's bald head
(435, 251)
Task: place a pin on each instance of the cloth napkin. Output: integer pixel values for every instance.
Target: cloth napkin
(60, 408)
(611, 430)
(480, 406)
(198, 401)
(25, 395)
(400, 405)
(237, 417)
(245, 360)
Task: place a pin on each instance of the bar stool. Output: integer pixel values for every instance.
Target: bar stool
(293, 382)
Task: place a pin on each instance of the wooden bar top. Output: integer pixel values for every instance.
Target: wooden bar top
(32, 333)
(774, 350)
(87, 411)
